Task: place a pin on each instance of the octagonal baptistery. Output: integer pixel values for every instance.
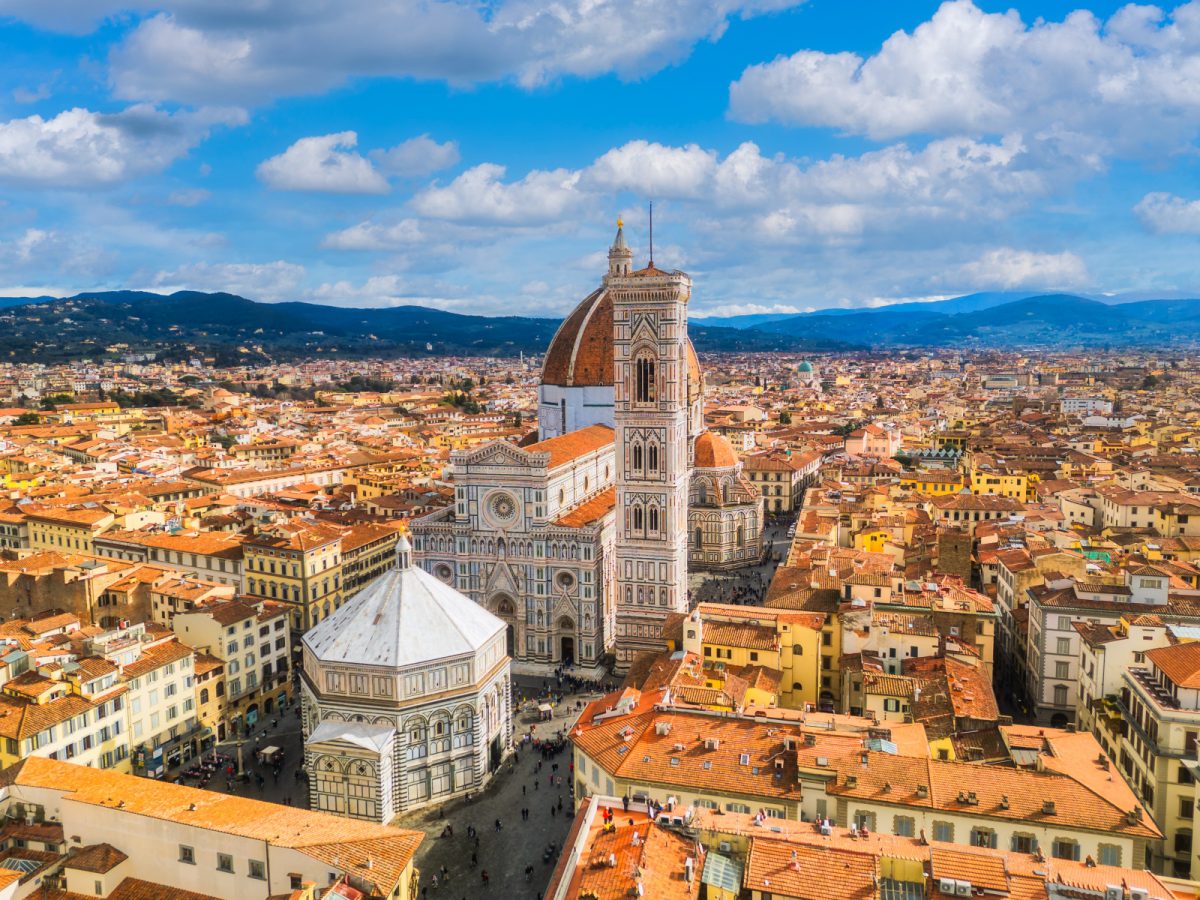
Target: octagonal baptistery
(577, 373)
(406, 697)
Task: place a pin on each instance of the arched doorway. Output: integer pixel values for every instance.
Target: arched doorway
(506, 608)
(566, 630)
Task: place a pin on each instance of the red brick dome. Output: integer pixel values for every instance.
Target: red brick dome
(581, 353)
(713, 451)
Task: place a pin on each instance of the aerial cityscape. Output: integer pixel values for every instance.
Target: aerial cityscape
(682, 449)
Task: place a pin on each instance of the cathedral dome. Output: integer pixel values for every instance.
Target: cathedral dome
(805, 367)
(713, 451)
(405, 617)
(581, 353)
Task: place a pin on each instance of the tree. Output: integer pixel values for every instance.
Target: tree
(27, 418)
(785, 418)
(1150, 382)
(517, 419)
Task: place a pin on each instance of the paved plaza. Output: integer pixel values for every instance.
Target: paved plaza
(519, 843)
(747, 585)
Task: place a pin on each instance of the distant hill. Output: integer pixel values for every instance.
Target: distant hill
(1046, 320)
(234, 330)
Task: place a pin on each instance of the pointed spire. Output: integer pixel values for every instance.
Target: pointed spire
(620, 257)
(403, 553)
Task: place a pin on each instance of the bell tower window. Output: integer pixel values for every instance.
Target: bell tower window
(645, 386)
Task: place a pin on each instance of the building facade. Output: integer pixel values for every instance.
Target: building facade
(406, 697)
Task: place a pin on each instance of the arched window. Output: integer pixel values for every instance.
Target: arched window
(699, 537)
(652, 456)
(637, 518)
(703, 492)
(637, 457)
(741, 535)
(645, 387)
(653, 518)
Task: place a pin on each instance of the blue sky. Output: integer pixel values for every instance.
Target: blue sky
(475, 156)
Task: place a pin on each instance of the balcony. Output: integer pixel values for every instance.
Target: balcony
(1153, 689)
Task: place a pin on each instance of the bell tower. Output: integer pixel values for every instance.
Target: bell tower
(650, 416)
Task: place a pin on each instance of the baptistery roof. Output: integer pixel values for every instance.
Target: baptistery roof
(403, 618)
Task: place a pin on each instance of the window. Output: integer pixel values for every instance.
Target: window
(1062, 669)
(1060, 695)
(943, 831)
(1185, 808)
(258, 870)
(904, 826)
(645, 387)
(1024, 843)
(1063, 646)
(1110, 854)
(224, 862)
(984, 837)
(187, 855)
(296, 880)
(737, 808)
(1065, 849)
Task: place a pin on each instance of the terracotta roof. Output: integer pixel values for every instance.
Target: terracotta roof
(95, 858)
(581, 352)
(713, 451)
(590, 511)
(1180, 663)
(567, 447)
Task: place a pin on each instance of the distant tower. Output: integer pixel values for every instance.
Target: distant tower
(650, 374)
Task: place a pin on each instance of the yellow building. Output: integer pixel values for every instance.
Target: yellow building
(210, 698)
(935, 482)
(784, 641)
(299, 565)
(67, 529)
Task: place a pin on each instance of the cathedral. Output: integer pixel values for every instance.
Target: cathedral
(581, 540)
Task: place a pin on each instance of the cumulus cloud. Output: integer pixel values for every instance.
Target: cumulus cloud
(204, 51)
(325, 164)
(417, 156)
(481, 196)
(1128, 83)
(376, 236)
(1006, 268)
(654, 170)
(268, 282)
(1167, 214)
(80, 148)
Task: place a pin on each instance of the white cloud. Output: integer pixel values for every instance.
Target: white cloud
(654, 170)
(1006, 268)
(378, 291)
(417, 156)
(326, 164)
(204, 51)
(267, 282)
(480, 196)
(1129, 83)
(725, 310)
(1167, 214)
(79, 148)
(376, 236)
(188, 197)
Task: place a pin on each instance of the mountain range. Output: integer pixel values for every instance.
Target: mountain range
(233, 329)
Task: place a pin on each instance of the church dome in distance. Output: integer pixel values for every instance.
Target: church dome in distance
(713, 451)
(581, 353)
(805, 367)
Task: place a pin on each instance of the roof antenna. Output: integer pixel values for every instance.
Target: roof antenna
(651, 234)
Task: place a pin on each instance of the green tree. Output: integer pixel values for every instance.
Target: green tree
(27, 418)
(785, 418)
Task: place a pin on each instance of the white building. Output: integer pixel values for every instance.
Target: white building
(406, 695)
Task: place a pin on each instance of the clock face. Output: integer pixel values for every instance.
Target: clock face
(503, 508)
